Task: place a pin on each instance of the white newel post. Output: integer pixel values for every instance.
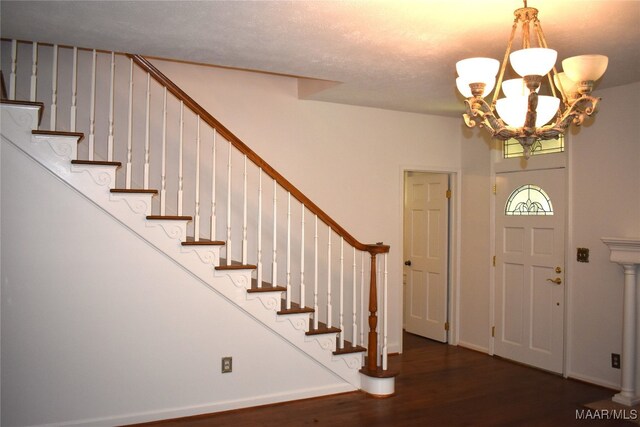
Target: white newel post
(626, 252)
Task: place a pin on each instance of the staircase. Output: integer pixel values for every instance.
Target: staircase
(175, 176)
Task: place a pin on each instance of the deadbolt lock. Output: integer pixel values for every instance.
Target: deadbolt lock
(558, 270)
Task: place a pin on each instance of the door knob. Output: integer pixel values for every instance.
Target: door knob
(408, 263)
(557, 280)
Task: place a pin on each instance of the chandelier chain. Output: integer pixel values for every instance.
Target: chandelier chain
(514, 28)
(526, 38)
(543, 43)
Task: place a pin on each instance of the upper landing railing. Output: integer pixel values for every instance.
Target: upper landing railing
(129, 110)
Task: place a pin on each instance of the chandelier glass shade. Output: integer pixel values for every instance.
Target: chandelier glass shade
(523, 114)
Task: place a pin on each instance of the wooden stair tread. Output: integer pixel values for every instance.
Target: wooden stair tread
(349, 348)
(322, 329)
(191, 241)
(134, 190)
(295, 308)
(169, 217)
(95, 163)
(266, 287)
(40, 105)
(235, 265)
(79, 135)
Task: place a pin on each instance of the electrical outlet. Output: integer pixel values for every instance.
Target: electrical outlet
(227, 364)
(615, 360)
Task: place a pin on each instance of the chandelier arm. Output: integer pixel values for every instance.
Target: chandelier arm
(582, 107)
(478, 107)
(514, 28)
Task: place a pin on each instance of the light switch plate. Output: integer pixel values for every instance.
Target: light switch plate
(583, 255)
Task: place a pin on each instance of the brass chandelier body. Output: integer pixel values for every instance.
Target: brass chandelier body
(574, 107)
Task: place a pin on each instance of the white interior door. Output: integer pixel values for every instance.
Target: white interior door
(426, 223)
(530, 219)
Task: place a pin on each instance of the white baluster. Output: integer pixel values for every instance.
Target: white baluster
(111, 107)
(92, 106)
(14, 66)
(288, 250)
(147, 133)
(196, 220)
(259, 269)
(385, 316)
(341, 340)
(54, 87)
(229, 253)
(244, 213)
(274, 268)
(34, 72)
(213, 186)
(315, 274)
(163, 177)
(302, 250)
(130, 128)
(329, 310)
(180, 149)
(362, 324)
(74, 91)
(354, 296)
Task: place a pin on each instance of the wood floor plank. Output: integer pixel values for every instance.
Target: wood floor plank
(438, 385)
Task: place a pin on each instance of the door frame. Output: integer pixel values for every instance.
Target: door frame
(547, 161)
(453, 286)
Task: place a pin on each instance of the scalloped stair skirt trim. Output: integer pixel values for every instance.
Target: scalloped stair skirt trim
(56, 152)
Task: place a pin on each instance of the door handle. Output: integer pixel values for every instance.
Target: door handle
(407, 263)
(557, 281)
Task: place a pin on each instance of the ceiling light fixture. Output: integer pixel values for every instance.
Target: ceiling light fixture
(522, 113)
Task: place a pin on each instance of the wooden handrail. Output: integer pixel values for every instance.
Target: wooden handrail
(141, 61)
(372, 249)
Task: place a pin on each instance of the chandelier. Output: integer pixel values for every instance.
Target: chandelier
(523, 114)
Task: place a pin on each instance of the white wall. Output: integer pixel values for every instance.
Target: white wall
(605, 201)
(99, 328)
(475, 285)
(347, 159)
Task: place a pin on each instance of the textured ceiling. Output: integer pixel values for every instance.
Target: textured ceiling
(395, 54)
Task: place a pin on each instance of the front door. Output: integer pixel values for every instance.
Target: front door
(426, 222)
(530, 219)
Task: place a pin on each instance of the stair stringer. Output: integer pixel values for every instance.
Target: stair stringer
(55, 153)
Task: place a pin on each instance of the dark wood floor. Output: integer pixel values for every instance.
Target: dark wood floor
(439, 385)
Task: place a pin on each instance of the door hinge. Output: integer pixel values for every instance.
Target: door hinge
(448, 194)
(493, 331)
(446, 326)
(494, 260)
(495, 188)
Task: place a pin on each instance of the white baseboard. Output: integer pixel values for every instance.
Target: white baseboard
(189, 411)
(475, 347)
(593, 380)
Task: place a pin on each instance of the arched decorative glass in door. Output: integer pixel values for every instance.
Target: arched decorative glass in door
(528, 199)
